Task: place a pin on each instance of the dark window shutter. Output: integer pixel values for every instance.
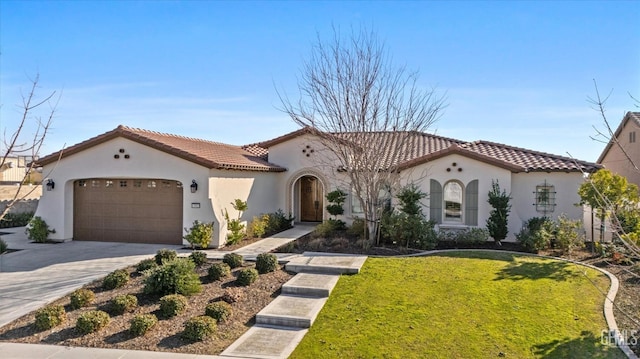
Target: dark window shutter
(471, 204)
(435, 201)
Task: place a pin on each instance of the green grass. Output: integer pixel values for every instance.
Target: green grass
(462, 305)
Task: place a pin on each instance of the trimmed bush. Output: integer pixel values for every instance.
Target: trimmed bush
(38, 230)
(3, 246)
(81, 298)
(258, 226)
(115, 279)
(568, 234)
(536, 234)
(122, 304)
(266, 262)
(140, 324)
(92, 321)
(247, 276)
(200, 234)
(199, 328)
(165, 255)
(16, 219)
(278, 222)
(219, 311)
(174, 277)
(218, 270)
(234, 260)
(49, 317)
(172, 305)
(198, 258)
(146, 264)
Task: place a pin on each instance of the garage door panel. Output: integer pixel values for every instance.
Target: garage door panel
(144, 211)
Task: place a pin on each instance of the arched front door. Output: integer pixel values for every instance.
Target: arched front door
(311, 199)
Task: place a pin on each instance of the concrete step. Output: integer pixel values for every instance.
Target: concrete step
(267, 342)
(311, 285)
(326, 263)
(291, 311)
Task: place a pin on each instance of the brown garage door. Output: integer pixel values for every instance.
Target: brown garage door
(128, 210)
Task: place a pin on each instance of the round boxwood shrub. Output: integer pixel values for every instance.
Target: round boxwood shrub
(92, 321)
(172, 305)
(234, 260)
(140, 324)
(247, 276)
(115, 279)
(146, 264)
(219, 311)
(266, 262)
(199, 328)
(81, 298)
(218, 270)
(122, 304)
(174, 277)
(165, 255)
(49, 317)
(198, 258)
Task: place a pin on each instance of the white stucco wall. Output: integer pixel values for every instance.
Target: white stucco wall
(56, 206)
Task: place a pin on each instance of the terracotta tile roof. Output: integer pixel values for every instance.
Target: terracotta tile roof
(629, 116)
(205, 153)
(424, 147)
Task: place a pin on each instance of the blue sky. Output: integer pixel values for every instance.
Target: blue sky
(517, 73)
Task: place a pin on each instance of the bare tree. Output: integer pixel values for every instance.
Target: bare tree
(364, 110)
(19, 142)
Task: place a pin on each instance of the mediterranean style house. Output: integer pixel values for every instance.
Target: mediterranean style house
(134, 185)
(622, 153)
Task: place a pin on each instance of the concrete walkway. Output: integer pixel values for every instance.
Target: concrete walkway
(41, 273)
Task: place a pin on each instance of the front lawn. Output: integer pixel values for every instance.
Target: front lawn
(463, 305)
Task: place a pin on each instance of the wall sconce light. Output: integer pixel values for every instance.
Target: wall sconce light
(50, 184)
(194, 186)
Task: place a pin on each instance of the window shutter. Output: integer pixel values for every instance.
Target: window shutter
(435, 201)
(471, 204)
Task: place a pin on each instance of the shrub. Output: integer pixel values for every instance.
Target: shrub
(328, 228)
(247, 276)
(92, 321)
(413, 231)
(122, 304)
(200, 234)
(3, 246)
(266, 262)
(234, 260)
(199, 328)
(357, 228)
(49, 317)
(218, 270)
(471, 236)
(16, 219)
(165, 255)
(140, 324)
(232, 295)
(172, 305)
(38, 230)
(536, 234)
(258, 226)
(115, 279)
(175, 277)
(568, 234)
(235, 227)
(219, 311)
(336, 200)
(198, 258)
(146, 264)
(278, 222)
(81, 298)
(497, 223)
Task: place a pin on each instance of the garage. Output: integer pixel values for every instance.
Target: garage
(128, 210)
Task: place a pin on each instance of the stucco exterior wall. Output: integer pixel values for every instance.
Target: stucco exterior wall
(615, 159)
(56, 206)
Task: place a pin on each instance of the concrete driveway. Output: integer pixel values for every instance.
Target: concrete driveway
(41, 273)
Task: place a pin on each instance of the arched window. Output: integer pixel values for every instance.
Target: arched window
(452, 196)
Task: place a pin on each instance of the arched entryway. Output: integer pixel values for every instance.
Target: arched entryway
(311, 199)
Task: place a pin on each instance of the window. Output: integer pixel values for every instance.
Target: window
(123, 183)
(151, 184)
(82, 183)
(452, 193)
(545, 200)
(95, 183)
(108, 183)
(632, 137)
(384, 200)
(137, 183)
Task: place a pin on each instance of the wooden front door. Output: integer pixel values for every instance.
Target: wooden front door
(311, 204)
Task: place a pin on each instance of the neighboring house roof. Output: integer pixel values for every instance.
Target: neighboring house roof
(424, 147)
(629, 116)
(205, 153)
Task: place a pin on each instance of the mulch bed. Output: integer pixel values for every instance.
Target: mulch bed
(166, 335)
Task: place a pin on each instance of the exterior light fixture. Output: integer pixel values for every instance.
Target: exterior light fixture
(50, 184)
(194, 186)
